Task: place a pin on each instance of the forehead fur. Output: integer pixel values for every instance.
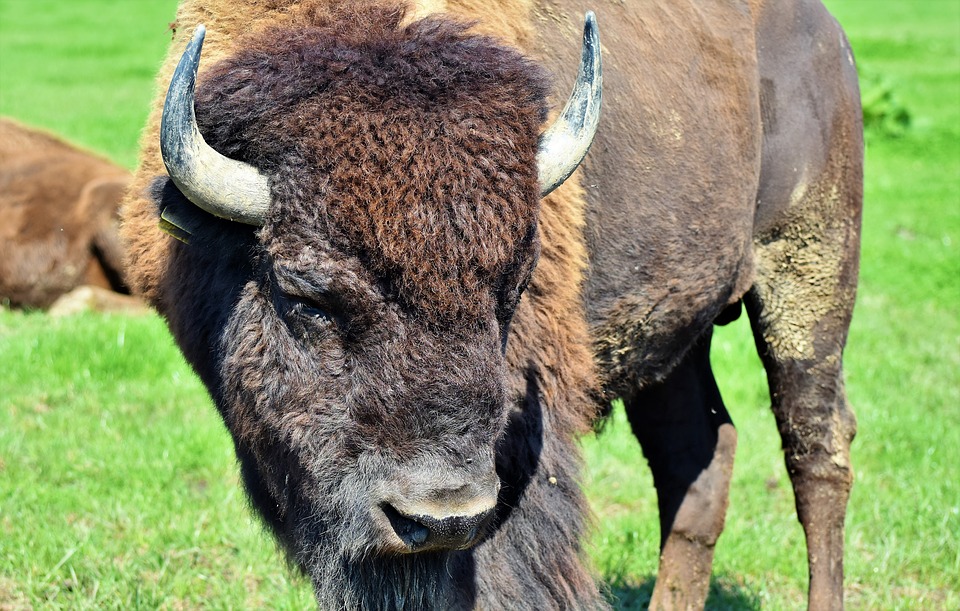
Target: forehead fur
(412, 148)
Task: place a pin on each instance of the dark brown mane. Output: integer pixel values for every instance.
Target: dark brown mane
(416, 107)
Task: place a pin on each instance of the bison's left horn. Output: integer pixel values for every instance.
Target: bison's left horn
(565, 143)
(222, 186)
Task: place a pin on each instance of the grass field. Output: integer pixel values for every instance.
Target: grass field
(118, 487)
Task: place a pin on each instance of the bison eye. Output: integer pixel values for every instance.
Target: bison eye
(300, 309)
(313, 311)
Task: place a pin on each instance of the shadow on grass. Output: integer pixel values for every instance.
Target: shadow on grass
(724, 595)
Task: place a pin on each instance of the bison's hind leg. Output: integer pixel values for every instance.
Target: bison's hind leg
(689, 441)
(800, 308)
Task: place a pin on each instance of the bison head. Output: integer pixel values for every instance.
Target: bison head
(360, 229)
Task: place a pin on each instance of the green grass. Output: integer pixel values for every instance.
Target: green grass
(83, 68)
(117, 482)
(118, 487)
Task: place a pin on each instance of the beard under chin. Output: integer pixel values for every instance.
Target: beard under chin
(338, 546)
(429, 580)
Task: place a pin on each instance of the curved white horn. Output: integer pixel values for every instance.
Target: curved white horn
(222, 186)
(565, 143)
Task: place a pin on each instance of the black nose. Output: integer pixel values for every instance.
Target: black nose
(421, 531)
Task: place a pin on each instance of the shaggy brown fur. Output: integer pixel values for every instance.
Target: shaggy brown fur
(411, 115)
(354, 341)
(58, 218)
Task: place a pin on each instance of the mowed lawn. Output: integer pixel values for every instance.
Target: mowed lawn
(118, 486)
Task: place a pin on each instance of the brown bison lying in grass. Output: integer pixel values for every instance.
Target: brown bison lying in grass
(58, 218)
(362, 198)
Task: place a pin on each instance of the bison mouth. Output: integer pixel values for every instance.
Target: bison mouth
(412, 533)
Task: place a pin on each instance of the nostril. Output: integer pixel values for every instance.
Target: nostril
(410, 531)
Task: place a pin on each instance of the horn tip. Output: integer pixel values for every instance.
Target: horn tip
(590, 29)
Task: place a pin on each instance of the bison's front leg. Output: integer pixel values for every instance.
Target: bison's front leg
(689, 441)
(817, 427)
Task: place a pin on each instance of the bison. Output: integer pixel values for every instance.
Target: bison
(58, 218)
(355, 242)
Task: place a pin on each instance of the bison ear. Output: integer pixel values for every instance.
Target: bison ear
(565, 143)
(180, 218)
(175, 224)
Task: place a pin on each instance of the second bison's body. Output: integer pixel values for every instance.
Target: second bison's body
(58, 218)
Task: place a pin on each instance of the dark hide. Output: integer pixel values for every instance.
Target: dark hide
(58, 218)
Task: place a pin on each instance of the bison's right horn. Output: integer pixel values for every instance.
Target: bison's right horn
(565, 143)
(222, 186)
